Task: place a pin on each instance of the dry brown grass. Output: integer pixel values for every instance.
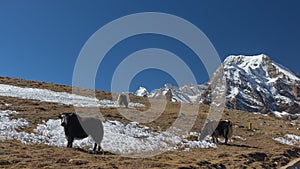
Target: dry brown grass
(258, 150)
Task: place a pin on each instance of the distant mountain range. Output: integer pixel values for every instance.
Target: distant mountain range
(253, 84)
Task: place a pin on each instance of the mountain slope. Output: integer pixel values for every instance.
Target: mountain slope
(244, 149)
(187, 93)
(141, 92)
(253, 84)
(257, 84)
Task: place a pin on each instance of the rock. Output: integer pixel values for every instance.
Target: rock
(4, 162)
(78, 161)
(203, 163)
(62, 160)
(257, 156)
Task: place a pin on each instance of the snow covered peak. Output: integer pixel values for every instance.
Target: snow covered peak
(189, 93)
(257, 84)
(246, 60)
(253, 83)
(170, 86)
(141, 91)
(256, 65)
(259, 65)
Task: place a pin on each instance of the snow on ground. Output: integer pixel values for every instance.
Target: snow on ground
(57, 97)
(280, 114)
(239, 138)
(289, 139)
(119, 138)
(8, 128)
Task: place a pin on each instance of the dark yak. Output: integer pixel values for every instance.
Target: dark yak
(77, 127)
(217, 129)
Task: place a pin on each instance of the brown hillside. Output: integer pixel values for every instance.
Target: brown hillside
(259, 150)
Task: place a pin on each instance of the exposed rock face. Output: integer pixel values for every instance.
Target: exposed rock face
(186, 93)
(251, 83)
(257, 84)
(142, 92)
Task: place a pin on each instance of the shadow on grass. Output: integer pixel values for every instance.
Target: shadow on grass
(96, 153)
(241, 145)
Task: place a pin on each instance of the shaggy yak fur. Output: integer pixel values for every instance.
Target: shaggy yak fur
(77, 127)
(122, 100)
(222, 128)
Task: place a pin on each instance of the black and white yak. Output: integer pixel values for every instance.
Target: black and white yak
(77, 127)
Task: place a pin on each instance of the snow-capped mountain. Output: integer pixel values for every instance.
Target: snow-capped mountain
(187, 93)
(257, 84)
(253, 83)
(142, 92)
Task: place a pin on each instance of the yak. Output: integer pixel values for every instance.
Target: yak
(217, 129)
(122, 100)
(77, 127)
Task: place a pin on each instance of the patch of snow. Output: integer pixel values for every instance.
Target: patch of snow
(200, 144)
(273, 80)
(193, 134)
(187, 150)
(289, 139)
(8, 104)
(119, 138)
(239, 137)
(293, 137)
(8, 128)
(280, 114)
(193, 99)
(57, 97)
(283, 100)
(233, 92)
(283, 141)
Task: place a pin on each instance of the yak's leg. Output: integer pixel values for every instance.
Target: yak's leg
(70, 142)
(99, 148)
(95, 147)
(226, 140)
(213, 139)
(226, 134)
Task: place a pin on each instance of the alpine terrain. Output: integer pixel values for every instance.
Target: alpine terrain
(253, 84)
(31, 135)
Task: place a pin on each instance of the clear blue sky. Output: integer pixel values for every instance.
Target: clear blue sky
(40, 40)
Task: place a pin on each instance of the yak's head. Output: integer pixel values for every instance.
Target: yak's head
(65, 118)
